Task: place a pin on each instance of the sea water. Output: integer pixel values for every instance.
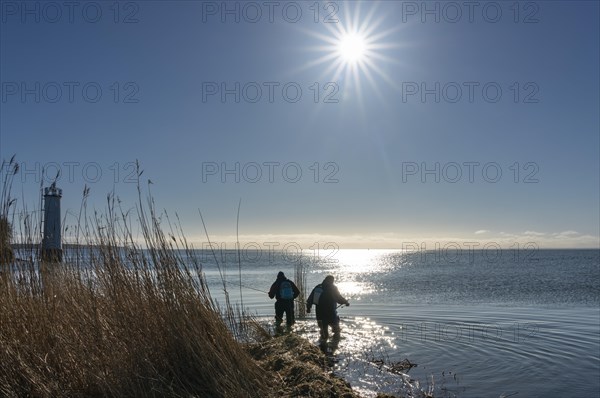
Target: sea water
(476, 323)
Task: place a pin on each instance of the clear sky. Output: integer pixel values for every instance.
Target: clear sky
(364, 124)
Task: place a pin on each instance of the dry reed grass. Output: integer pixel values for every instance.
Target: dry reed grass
(119, 317)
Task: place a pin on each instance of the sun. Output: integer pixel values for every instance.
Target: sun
(358, 48)
(352, 48)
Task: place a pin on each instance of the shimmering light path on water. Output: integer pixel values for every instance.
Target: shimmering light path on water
(476, 328)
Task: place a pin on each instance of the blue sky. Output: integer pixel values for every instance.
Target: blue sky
(361, 154)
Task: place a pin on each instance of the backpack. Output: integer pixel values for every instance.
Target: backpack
(317, 291)
(285, 290)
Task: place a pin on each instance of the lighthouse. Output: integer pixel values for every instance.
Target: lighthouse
(51, 240)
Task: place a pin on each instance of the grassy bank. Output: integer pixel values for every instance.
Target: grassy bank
(299, 367)
(124, 335)
(125, 316)
(119, 322)
(122, 316)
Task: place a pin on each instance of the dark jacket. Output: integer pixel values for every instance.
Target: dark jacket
(274, 291)
(329, 298)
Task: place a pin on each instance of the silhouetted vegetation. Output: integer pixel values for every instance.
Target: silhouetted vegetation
(134, 317)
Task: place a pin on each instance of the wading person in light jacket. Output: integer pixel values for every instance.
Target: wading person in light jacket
(326, 297)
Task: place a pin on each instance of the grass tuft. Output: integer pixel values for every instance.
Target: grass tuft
(301, 368)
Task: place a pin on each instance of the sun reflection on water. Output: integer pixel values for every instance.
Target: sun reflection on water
(354, 269)
(360, 356)
(355, 289)
(360, 261)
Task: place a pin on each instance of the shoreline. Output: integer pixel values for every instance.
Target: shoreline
(300, 367)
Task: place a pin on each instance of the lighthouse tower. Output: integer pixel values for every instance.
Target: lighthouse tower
(51, 240)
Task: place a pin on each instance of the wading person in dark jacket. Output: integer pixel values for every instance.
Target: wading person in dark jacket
(326, 297)
(285, 291)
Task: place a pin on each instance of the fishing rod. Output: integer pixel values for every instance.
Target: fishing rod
(258, 290)
(262, 291)
(247, 287)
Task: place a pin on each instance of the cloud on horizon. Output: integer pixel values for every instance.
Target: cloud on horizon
(389, 240)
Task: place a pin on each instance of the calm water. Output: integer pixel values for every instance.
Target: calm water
(480, 324)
